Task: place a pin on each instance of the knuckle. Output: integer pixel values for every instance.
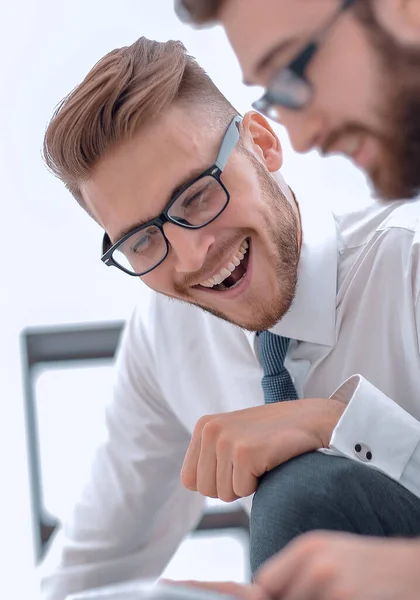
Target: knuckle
(244, 489)
(224, 444)
(313, 543)
(321, 572)
(202, 422)
(227, 496)
(241, 493)
(188, 480)
(212, 429)
(188, 474)
(241, 453)
(206, 485)
(209, 492)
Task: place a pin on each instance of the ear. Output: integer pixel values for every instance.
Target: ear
(400, 18)
(262, 141)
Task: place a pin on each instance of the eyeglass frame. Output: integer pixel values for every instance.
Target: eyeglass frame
(299, 65)
(229, 141)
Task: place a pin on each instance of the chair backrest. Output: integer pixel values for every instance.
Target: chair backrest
(52, 345)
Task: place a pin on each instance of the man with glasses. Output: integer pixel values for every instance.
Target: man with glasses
(343, 77)
(340, 75)
(192, 201)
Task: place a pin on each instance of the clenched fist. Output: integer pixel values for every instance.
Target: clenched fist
(230, 451)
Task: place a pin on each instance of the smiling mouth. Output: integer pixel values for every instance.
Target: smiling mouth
(232, 274)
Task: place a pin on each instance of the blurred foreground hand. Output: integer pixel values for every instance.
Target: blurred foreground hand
(241, 591)
(334, 566)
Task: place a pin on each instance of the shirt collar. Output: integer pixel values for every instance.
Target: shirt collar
(311, 318)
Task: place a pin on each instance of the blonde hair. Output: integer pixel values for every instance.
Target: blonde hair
(125, 90)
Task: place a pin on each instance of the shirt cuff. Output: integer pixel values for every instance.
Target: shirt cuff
(375, 430)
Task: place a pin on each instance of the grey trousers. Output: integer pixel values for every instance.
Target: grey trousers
(317, 491)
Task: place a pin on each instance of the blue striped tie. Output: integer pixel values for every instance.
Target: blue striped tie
(276, 382)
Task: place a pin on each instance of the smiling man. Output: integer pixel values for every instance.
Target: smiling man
(192, 201)
(238, 261)
(341, 75)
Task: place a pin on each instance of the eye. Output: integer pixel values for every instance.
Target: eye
(140, 243)
(144, 241)
(195, 198)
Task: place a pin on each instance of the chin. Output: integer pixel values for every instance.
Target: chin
(246, 319)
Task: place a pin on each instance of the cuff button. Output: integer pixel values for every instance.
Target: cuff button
(363, 452)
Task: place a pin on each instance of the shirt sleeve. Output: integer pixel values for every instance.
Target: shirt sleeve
(375, 430)
(133, 512)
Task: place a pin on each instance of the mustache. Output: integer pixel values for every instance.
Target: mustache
(350, 129)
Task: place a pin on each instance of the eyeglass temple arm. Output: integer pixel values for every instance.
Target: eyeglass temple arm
(106, 243)
(229, 142)
(299, 65)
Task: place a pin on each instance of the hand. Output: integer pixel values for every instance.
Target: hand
(241, 591)
(334, 566)
(230, 451)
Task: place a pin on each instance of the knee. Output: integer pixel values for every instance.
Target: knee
(301, 495)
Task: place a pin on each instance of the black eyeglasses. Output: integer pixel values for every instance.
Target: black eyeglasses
(197, 204)
(289, 87)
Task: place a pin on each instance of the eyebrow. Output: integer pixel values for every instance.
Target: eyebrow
(186, 180)
(265, 61)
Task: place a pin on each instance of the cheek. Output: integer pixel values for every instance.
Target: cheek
(245, 194)
(346, 81)
(350, 88)
(241, 211)
(159, 279)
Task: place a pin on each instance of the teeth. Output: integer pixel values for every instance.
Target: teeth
(230, 267)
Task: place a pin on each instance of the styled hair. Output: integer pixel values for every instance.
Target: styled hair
(127, 89)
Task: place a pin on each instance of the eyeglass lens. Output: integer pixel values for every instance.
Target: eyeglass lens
(199, 204)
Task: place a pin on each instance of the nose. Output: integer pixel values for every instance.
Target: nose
(306, 128)
(189, 247)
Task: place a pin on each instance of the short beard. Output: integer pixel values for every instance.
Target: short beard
(282, 227)
(398, 176)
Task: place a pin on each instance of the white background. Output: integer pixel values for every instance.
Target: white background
(50, 268)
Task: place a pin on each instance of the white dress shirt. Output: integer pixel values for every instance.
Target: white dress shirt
(355, 311)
